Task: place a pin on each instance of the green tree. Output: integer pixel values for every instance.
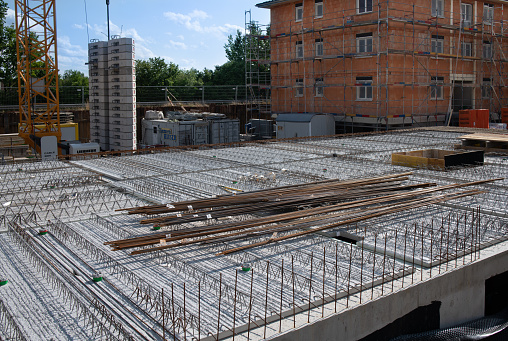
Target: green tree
(229, 73)
(8, 60)
(206, 76)
(189, 77)
(233, 71)
(155, 72)
(254, 46)
(73, 78)
(235, 47)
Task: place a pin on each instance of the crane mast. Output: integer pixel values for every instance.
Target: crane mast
(37, 68)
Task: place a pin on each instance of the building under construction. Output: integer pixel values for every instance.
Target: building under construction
(384, 63)
(341, 237)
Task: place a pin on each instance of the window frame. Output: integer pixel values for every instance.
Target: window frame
(486, 88)
(318, 4)
(436, 88)
(319, 48)
(438, 41)
(366, 38)
(299, 87)
(364, 84)
(488, 8)
(299, 12)
(299, 50)
(466, 46)
(435, 11)
(319, 87)
(464, 14)
(484, 50)
(365, 8)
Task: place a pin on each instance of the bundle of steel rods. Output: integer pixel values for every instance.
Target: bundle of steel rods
(374, 197)
(269, 195)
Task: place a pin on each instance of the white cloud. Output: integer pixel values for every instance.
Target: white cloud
(72, 63)
(141, 43)
(71, 56)
(178, 45)
(143, 52)
(11, 14)
(181, 37)
(79, 26)
(66, 47)
(193, 22)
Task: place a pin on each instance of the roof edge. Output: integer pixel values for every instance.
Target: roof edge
(270, 3)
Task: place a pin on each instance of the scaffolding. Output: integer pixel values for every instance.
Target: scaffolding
(257, 68)
(389, 64)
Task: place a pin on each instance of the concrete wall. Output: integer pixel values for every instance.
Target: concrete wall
(462, 293)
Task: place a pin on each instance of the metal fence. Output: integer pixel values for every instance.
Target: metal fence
(76, 96)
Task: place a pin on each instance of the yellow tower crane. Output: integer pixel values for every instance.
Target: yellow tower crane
(39, 110)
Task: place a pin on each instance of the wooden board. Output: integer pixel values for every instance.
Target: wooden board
(486, 137)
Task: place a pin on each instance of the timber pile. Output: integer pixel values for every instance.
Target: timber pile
(371, 197)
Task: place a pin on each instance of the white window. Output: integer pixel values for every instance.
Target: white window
(364, 6)
(319, 48)
(299, 12)
(320, 89)
(299, 88)
(487, 50)
(363, 42)
(486, 88)
(364, 88)
(466, 50)
(299, 49)
(466, 14)
(437, 44)
(318, 9)
(437, 8)
(436, 88)
(488, 14)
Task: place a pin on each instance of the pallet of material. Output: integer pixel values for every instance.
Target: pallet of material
(437, 159)
(497, 143)
(11, 140)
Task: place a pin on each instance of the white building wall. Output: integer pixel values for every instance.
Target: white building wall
(112, 77)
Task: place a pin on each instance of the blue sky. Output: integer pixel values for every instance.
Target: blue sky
(190, 34)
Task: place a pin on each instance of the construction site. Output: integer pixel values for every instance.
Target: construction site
(382, 64)
(253, 240)
(398, 231)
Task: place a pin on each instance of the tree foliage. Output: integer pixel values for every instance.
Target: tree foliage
(155, 72)
(73, 78)
(235, 47)
(8, 60)
(152, 72)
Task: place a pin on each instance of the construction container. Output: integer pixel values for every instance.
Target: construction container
(474, 118)
(173, 134)
(261, 128)
(224, 131)
(301, 125)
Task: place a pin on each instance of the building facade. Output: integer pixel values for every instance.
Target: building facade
(112, 81)
(385, 62)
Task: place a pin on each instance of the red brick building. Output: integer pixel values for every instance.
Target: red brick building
(385, 62)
